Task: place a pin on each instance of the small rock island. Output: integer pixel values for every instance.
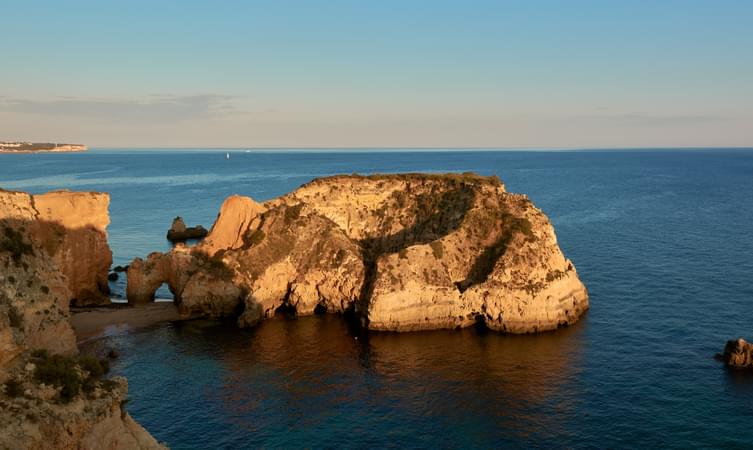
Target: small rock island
(179, 232)
(738, 354)
(39, 147)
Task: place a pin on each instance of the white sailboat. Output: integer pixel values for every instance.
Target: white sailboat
(227, 155)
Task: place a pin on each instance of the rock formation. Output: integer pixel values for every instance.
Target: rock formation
(399, 252)
(178, 232)
(71, 227)
(37, 235)
(36, 420)
(738, 354)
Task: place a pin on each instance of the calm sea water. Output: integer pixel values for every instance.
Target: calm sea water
(662, 239)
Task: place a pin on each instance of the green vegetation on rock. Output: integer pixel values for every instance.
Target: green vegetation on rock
(70, 374)
(14, 243)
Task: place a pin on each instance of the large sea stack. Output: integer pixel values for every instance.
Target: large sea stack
(398, 252)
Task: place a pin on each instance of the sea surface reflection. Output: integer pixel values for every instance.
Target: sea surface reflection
(312, 382)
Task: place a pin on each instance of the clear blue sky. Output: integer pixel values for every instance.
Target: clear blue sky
(387, 73)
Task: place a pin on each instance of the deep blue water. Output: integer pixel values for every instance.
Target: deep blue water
(662, 239)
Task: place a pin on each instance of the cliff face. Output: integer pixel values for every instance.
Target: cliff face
(35, 421)
(38, 234)
(71, 228)
(34, 296)
(75, 232)
(401, 252)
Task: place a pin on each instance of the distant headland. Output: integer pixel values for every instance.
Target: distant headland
(33, 147)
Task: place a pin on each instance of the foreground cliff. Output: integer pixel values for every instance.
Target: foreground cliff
(399, 252)
(49, 396)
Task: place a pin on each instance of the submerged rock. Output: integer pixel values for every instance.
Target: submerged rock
(738, 354)
(178, 232)
(400, 252)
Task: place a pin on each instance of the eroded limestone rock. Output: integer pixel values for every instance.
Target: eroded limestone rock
(402, 252)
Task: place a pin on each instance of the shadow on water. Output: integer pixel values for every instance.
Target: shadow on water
(286, 380)
(740, 381)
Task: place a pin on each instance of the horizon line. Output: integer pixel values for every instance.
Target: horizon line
(422, 148)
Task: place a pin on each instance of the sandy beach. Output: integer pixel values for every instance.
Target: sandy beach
(104, 321)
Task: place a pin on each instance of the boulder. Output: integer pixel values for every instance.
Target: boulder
(178, 232)
(738, 354)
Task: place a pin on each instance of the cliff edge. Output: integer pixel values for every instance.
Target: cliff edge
(399, 252)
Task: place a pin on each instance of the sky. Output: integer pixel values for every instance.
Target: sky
(388, 73)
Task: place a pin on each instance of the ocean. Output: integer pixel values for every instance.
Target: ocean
(663, 240)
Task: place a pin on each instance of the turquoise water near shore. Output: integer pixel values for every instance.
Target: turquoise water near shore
(661, 238)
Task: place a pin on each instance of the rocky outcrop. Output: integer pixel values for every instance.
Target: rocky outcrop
(738, 354)
(237, 215)
(34, 296)
(71, 228)
(178, 232)
(35, 420)
(43, 403)
(74, 230)
(400, 252)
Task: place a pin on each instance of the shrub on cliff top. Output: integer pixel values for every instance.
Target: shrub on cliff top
(213, 265)
(14, 243)
(14, 388)
(256, 237)
(437, 249)
(15, 318)
(59, 371)
(465, 177)
(292, 213)
(70, 374)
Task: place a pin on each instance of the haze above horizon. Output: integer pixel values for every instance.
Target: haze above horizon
(481, 74)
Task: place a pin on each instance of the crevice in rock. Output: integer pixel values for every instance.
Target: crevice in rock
(437, 215)
(484, 264)
(320, 309)
(286, 309)
(480, 324)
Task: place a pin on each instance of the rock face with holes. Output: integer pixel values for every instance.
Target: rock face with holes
(37, 235)
(401, 252)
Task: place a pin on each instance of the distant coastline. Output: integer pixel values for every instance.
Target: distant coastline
(37, 147)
